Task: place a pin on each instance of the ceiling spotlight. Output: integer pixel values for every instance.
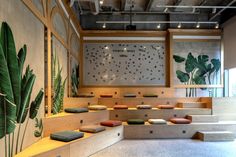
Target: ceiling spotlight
(101, 2)
(213, 10)
(179, 25)
(106, 47)
(166, 9)
(104, 25)
(159, 26)
(217, 26)
(198, 25)
(125, 49)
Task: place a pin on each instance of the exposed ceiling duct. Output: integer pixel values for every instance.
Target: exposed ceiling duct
(93, 5)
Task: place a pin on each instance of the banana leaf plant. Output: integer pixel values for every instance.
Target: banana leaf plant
(198, 71)
(58, 86)
(15, 89)
(75, 80)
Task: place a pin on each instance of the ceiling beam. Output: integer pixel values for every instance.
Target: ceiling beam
(148, 5)
(223, 9)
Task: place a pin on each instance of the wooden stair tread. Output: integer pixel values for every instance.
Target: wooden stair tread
(192, 104)
(203, 118)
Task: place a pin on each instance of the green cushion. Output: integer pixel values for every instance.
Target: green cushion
(66, 136)
(129, 95)
(150, 95)
(135, 121)
(76, 110)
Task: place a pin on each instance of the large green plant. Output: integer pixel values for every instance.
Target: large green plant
(75, 80)
(15, 89)
(58, 86)
(198, 71)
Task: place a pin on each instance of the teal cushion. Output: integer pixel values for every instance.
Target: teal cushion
(76, 110)
(135, 121)
(66, 136)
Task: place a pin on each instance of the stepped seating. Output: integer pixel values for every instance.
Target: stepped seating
(192, 105)
(203, 118)
(216, 136)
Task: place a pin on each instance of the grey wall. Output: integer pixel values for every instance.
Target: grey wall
(229, 40)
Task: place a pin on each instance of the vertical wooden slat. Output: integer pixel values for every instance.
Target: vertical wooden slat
(49, 72)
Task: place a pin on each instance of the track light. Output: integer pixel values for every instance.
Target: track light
(198, 25)
(159, 26)
(166, 10)
(104, 25)
(217, 26)
(179, 25)
(213, 10)
(101, 2)
(106, 47)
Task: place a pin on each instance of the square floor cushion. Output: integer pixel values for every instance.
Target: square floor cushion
(106, 95)
(157, 121)
(165, 106)
(76, 110)
(66, 136)
(135, 121)
(111, 123)
(129, 95)
(150, 95)
(120, 107)
(180, 121)
(144, 107)
(92, 128)
(86, 95)
(97, 107)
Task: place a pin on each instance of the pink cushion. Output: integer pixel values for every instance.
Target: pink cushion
(106, 95)
(120, 107)
(111, 123)
(165, 106)
(180, 121)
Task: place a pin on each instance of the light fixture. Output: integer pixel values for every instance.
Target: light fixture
(198, 25)
(213, 10)
(217, 26)
(159, 26)
(125, 49)
(166, 10)
(101, 2)
(106, 47)
(104, 25)
(179, 25)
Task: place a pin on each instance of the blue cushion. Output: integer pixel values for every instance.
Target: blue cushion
(76, 110)
(66, 136)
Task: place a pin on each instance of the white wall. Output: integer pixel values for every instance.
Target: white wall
(229, 40)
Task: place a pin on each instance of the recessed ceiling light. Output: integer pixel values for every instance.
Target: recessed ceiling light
(159, 26)
(179, 25)
(104, 25)
(217, 26)
(198, 25)
(101, 2)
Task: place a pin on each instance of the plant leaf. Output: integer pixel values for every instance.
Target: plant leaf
(21, 58)
(178, 59)
(189, 64)
(183, 77)
(34, 107)
(216, 64)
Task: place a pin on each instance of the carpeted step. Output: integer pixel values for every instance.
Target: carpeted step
(203, 118)
(216, 135)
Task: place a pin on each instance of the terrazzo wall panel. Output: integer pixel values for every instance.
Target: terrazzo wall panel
(124, 64)
(27, 29)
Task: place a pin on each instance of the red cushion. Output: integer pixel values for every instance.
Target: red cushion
(120, 107)
(111, 123)
(165, 106)
(106, 95)
(180, 121)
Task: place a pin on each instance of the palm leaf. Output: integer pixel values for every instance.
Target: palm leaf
(34, 107)
(6, 88)
(8, 45)
(21, 58)
(24, 107)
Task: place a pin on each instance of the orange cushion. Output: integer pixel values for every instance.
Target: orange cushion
(180, 121)
(165, 106)
(106, 95)
(120, 107)
(111, 123)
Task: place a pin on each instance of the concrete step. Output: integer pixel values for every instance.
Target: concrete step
(216, 136)
(192, 105)
(203, 118)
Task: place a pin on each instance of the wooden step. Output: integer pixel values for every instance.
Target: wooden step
(203, 118)
(192, 105)
(216, 135)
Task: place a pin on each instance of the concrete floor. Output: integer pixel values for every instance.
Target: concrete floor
(169, 148)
